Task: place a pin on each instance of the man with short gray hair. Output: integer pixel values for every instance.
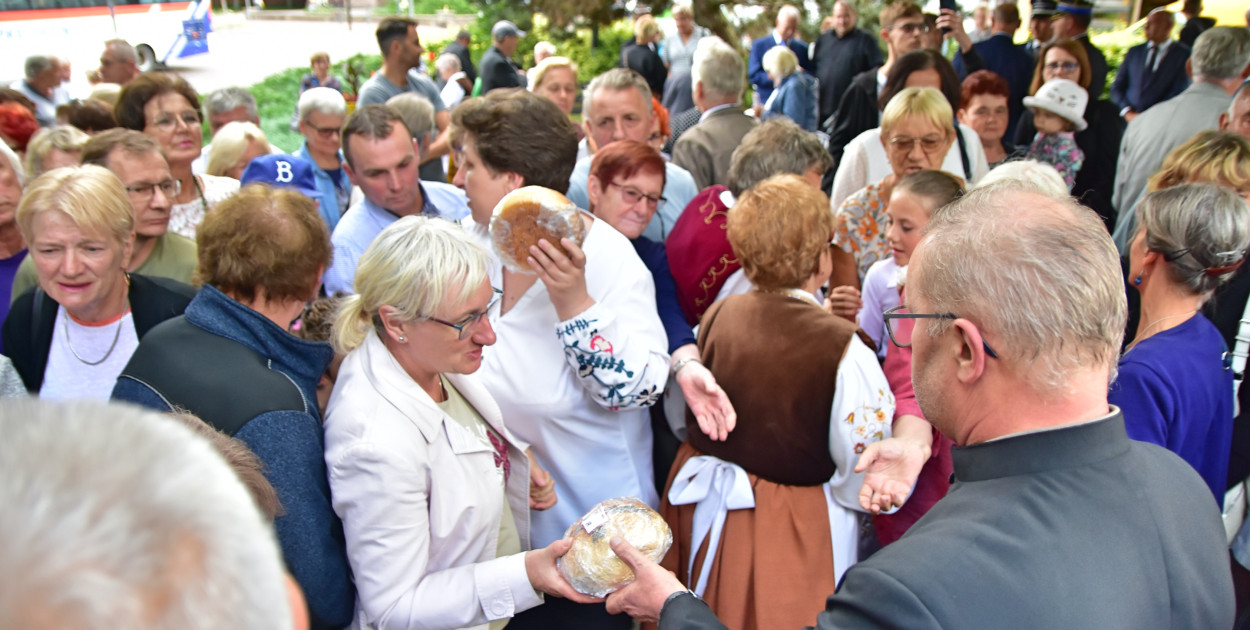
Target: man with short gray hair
(786, 34)
(222, 107)
(841, 53)
(43, 78)
(1113, 532)
(705, 149)
(165, 537)
(618, 107)
(119, 63)
(1220, 61)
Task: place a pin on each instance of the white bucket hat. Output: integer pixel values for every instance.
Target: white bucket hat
(1062, 98)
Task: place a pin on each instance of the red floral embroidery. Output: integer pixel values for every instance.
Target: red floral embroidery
(501, 455)
(599, 343)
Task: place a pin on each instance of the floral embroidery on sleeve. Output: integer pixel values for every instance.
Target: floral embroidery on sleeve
(614, 376)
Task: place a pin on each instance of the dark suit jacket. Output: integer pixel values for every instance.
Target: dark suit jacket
(1006, 59)
(1095, 182)
(28, 329)
(678, 93)
(755, 66)
(498, 71)
(1132, 88)
(1193, 28)
(466, 62)
(857, 113)
(838, 60)
(644, 61)
(1097, 67)
(1078, 527)
(705, 149)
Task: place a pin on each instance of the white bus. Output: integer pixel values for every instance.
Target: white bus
(77, 29)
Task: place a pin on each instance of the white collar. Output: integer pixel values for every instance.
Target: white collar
(709, 112)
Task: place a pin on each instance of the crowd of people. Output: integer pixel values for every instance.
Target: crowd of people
(906, 324)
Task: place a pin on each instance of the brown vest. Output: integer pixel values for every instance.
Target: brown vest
(777, 358)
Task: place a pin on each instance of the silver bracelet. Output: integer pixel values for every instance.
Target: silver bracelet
(683, 363)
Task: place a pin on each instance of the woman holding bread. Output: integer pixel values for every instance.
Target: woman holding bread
(581, 352)
(430, 485)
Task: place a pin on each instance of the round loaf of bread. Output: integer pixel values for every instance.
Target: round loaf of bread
(590, 566)
(529, 214)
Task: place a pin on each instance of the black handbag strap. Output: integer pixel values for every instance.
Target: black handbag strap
(963, 155)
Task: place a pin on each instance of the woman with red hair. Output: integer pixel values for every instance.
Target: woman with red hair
(984, 105)
(625, 190)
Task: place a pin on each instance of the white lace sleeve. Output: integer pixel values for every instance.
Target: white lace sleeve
(863, 410)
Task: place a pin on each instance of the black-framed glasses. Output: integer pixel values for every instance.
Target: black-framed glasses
(170, 188)
(632, 195)
(899, 313)
(464, 326)
(325, 132)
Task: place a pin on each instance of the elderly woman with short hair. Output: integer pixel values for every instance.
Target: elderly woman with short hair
(796, 96)
(322, 112)
(54, 147)
(412, 437)
(70, 336)
(917, 129)
(1175, 384)
(235, 145)
(984, 106)
(805, 412)
(231, 362)
(166, 107)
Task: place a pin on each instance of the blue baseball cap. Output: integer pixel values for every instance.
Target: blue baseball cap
(283, 171)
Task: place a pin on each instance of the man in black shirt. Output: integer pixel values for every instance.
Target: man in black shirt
(841, 53)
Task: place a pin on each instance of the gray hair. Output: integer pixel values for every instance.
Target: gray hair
(1203, 230)
(780, 61)
(415, 265)
(788, 11)
(417, 113)
(719, 68)
(448, 62)
(37, 64)
(1042, 177)
(164, 538)
(321, 99)
(123, 50)
(850, 6)
(545, 47)
(683, 8)
(61, 137)
(1221, 52)
(773, 147)
(616, 79)
(228, 98)
(15, 163)
(1041, 275)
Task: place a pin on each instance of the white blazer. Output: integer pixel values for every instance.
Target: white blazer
(420, 500)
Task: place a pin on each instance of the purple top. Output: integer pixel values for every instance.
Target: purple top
(8, 269)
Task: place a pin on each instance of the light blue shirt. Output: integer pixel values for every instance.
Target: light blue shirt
(363, 223)
(330, 208)
(679, 189)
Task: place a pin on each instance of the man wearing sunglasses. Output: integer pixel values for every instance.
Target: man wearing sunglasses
(1055, 518)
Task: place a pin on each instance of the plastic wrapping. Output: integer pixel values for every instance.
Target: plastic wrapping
(528, 214)
(591, 566)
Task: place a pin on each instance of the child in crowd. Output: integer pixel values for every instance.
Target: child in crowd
(315, 325)
(913, 201)
(1058, 113)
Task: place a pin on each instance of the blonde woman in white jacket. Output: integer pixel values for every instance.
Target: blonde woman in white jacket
(433, 490)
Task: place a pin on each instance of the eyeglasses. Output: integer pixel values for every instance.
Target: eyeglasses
(167, 122)
(896, 315)
(464, 326)
(144, 192)
(631, 195)
(325, 132)
(928, 144)
(911, 28)
(1066, 66)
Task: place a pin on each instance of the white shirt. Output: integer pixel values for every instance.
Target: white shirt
(184, 218)
(865, 162)
(68, 377)
(578, 390)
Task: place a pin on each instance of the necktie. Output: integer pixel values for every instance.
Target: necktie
(1151, 55)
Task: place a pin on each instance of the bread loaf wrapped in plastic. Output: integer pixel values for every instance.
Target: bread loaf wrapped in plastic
(591, 566)
(528, 214)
